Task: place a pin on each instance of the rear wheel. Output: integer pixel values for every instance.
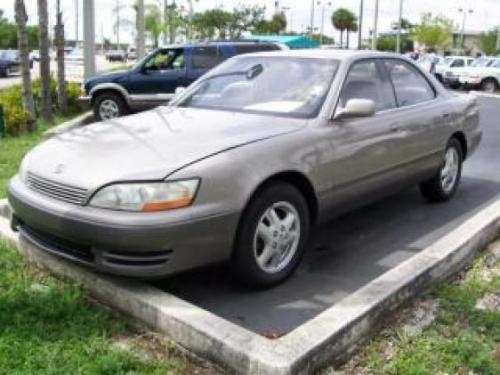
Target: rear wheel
(489, 85)
(108, 106)
(271, 236)
(444, 184)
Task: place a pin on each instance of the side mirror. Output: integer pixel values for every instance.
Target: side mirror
(179, 90)
(356, 108)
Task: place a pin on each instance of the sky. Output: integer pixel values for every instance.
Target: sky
(486, 13)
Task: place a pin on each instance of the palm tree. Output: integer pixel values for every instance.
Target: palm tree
(62, 99)
(344, 20)
(43, 45)
(22, 44)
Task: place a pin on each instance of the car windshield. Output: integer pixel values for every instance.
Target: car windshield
(482, 62)
(294, 87)
(446, 61)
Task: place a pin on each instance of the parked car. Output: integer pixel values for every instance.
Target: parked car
(427, 60)
(452, 76)
(131, 53)
(35, 55)
(485, 77)
(153, 80)
(9, 62)
(449, 63)
(240, 165)
(116, 55)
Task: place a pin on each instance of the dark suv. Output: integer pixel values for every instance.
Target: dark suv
(153, 80)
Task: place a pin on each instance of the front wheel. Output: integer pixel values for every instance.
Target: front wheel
(444, 184)
(108, 106)
(489, 85)
(271, 236)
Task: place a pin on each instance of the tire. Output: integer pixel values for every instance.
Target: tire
(439, 77)
(249, 263)
(489, 85)
(440, 188)
(116, 106)
(3, 72)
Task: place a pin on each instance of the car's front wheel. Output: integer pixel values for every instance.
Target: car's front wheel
(271, 236)
(489, 85)
(444, 184)
(108, 106)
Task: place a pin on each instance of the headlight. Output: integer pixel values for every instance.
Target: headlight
(146, 197)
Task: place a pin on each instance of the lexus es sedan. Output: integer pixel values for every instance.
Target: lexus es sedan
(242, 163)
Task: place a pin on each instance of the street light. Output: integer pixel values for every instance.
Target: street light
(464, 13)
(398, 35)
(323, 5)
(312, 19)
(375, 25)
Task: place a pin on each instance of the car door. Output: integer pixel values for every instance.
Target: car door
(421, 121)
(159, 76)
(360, 153)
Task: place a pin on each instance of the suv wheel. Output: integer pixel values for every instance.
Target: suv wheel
(444, 184)
(108, 106)
(489, 85)
(271, 237)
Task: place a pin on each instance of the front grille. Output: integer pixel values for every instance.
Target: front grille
(57, 190)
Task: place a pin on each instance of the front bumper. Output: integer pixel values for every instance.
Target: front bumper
(124, 243)
(469, 82)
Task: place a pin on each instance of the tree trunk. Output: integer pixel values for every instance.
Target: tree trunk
(22, 43)
(139, 22)
(43, 45)
(62, 98)
(347, 36)
(341, 38)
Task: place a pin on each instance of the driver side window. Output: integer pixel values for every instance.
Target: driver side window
(166, 60)
(365, 81)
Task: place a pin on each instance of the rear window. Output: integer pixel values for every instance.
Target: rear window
(205, 57)
(249, 48)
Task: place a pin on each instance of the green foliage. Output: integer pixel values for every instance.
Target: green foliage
(218, 23)
(153, 23)
(8, 34)
(434, 31)
(388, 43)
(345, 21)
(15, 116)
(489, 42)
(49, 327)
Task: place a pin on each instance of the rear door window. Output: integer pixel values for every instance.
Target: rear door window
(205, 57)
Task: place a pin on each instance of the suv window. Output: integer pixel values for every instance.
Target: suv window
(410, 85)
(366, 81)
(457, 63)
(249, 48)
(205, 57)
(166, 60)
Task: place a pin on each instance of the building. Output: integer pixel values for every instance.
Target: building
(292, 41)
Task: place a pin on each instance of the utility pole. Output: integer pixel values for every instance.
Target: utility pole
(312, 19)
(77, 21)
(165, 22)
(464, 19)
(190, 30)
(140, 48)
(398, 35)
(375, 25)
(323, 6)
(88, 39)
(117, 24)
(360, 29)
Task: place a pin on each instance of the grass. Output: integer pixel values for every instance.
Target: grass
(47, 326)
(461, 340)
(13, 149)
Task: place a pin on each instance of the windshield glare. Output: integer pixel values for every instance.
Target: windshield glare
(294, 87)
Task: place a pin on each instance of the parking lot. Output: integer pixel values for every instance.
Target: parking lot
(345, 254)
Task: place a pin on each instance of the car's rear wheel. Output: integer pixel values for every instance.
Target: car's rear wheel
(4, 72)
(489, 85)
(108, 106)
(444, 184)
(271, 236)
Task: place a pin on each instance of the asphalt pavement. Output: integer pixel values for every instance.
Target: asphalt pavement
(348, 252)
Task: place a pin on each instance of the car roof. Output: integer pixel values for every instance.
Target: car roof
(218, 42)
(333, 54)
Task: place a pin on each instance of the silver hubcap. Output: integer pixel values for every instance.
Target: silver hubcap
(277, 237)
(449, 173)
(108, 109)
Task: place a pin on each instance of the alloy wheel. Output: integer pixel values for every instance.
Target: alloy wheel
(450, 170)
(108, 109)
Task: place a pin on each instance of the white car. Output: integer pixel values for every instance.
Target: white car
(425, 61)
(484, 76)
(452, 76)
(450, 63)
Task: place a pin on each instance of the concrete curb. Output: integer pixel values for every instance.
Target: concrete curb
(83, 119)
(326, 338)
(485, 94)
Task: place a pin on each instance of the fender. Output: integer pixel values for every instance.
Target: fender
(109, 86)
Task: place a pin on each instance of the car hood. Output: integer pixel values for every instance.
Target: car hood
(149, 145)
